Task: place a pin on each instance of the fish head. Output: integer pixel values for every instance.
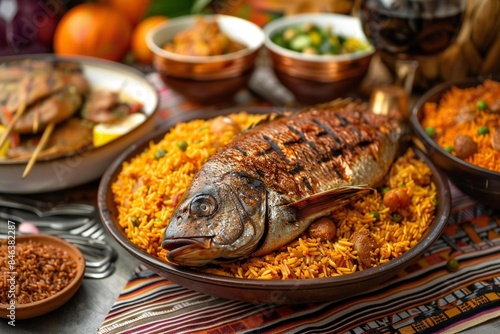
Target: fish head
(217, 221)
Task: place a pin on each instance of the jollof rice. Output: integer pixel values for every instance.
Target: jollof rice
(146, 197)
(459, 112)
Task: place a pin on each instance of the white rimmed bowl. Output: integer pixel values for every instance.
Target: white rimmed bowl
(49, 174)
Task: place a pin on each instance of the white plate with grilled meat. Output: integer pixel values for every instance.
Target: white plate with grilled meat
(70, 156)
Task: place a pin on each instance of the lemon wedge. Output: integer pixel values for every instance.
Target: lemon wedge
(105, 132)
(6, 145)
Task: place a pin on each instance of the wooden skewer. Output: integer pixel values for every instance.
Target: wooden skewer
(19, 112)
(36, 120)
(11, 125)
(43, 141)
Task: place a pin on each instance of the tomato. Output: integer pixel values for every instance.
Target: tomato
(138, 45)
(133, 10)
(93, 30)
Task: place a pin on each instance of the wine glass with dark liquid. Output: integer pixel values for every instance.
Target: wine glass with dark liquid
(409, 30)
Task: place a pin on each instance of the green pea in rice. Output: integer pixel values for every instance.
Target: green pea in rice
(146, 197)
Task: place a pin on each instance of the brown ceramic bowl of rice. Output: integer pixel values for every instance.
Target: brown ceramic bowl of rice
(142, 239)
(47, 272)
(451, 109)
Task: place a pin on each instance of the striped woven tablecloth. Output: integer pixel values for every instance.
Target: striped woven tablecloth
(425, 298)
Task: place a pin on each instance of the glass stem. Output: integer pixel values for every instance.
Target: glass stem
(405, 73)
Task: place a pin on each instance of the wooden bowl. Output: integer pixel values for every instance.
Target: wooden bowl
(31, 310)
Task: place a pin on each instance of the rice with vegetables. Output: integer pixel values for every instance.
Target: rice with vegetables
(466, 123)
(146, 197)
(150, 185)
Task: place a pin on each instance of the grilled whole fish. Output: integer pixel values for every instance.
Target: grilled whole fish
(271, 182)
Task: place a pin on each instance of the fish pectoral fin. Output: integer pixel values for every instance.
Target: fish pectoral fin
(318, 204)
(294, 218)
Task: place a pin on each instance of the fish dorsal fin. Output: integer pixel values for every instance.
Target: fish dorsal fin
(318, 204)
(269, 118)
(336, 104)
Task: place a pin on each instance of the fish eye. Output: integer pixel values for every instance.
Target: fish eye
(203, 205)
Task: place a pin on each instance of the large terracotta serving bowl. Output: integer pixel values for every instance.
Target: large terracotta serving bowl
(259, 291)
(479, 183)
(62, 172)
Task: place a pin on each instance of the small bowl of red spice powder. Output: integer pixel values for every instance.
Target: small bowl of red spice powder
(38, 273)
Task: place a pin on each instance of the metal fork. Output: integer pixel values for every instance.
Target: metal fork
(46, 209)
(99, 256)
(52, 223)
(92, 229)
(86, 227)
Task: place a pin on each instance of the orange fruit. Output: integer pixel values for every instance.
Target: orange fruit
(133, 10)
(138, 45)
(94, 30)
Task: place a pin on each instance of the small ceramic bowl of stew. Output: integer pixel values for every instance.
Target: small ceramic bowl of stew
(206, 58)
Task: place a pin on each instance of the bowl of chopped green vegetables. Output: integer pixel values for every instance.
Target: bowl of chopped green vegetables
(318, 56)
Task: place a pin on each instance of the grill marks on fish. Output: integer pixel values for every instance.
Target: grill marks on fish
(308, 149)
(298, 168)
(327, 130)
(307, 183)
(274, 147)
(303, 138)
(243, 152)
(283, 175)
